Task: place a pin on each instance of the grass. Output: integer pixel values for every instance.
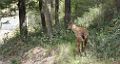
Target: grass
(98, 51)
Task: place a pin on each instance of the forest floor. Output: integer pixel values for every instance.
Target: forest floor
(59, 54)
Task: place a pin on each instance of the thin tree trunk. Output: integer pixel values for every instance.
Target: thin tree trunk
(76, 9)
(44, 28)
(0, 22)
(117, 2)
(57, 13)
(22, 18)
(47, 19)
(51, 8)
(67, 12)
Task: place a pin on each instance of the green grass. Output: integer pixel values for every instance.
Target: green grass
(98, 52)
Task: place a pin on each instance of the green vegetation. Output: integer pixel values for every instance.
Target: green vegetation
(101, 19)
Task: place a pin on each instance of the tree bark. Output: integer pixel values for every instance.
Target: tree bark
(44, 28)
(52, 9)
(22, 18)
(117, 3)
(57, 13)
(67, 17)
(47, 18)
(76, 9)
(0, 22)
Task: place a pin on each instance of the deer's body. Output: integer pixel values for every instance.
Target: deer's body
(81, 34)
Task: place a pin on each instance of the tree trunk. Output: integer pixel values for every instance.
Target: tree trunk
(67, 17)
(57, 13)
(52, 11)
(47, 18)
(117, 2)
(44, 28)
(76, 9)
(22, 18)
(0, 22)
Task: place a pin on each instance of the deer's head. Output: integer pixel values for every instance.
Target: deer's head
(71, 25)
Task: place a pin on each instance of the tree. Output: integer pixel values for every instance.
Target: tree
(47, 18)
(57, 13)
(51, 8)
(22, 18)
(44, 28)
(117, 2)
(0, 25)
(67, 17)
(76, 8)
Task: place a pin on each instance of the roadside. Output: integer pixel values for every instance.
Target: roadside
(9, 24)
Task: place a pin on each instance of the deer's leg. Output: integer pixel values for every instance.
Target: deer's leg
(82, 44)
(78, 45)
(85, 42)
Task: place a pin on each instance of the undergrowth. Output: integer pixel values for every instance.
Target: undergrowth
(105, 40)
(102, 48)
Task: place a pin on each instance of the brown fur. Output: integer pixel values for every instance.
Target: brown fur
(81, 34)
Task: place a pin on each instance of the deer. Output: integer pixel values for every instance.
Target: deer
(81, 34)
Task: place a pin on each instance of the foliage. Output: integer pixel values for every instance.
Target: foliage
(15, 61)
(103, 41)
(32, 5)
(5, 3)
(81, 6)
